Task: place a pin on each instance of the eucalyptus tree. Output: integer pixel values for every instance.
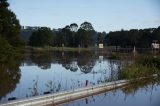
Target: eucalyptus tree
(87, 26)
(73, 29)
(42, 37)
(9, 25)
(85, 34)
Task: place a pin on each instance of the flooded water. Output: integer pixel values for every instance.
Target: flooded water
(39, 73)
(146, 95)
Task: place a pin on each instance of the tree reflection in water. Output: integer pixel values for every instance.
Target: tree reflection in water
(73, 61)
(146, 84)
(79, 68)
(42, 60)
(81, 65)
(69, 60)
(9, 75)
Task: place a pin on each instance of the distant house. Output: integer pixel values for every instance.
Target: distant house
(30, 27)
(155, 45)
(101, 46)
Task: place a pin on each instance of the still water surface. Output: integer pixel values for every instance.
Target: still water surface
(38, 73)
(145, 96)
(52, 72)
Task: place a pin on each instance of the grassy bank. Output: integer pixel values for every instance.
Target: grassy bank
(48, 48)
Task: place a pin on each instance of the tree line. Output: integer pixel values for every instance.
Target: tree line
(85, 36)
(139, 38)
(70, 36)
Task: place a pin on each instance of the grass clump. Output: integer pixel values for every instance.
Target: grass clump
(143, 67)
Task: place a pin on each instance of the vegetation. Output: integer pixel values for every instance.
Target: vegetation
(69, 36)
(10, 75)
(85, 36)
(134, 37)
(6, 50)
(72, 35)
(9, 25)
(9, 32)
(143, 67)
(42, 37)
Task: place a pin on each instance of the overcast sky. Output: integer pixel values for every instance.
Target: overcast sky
(105, 15)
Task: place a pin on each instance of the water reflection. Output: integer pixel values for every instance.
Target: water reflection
(9, 76)
(42, 60)
(142, 93)
(72, 60)
(50, 72)
(88, 70)
(148, 83)
(69, 60)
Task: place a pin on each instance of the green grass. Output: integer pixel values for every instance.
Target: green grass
(49, 48)
(71, 49)
(143, 67)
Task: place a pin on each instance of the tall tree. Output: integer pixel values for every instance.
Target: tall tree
(74, 27)
(85, 34)
(9, 25)
(87, 26)
(100, 38)
(42, 37)
(156, 34)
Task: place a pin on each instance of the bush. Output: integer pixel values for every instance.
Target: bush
(143, 67)
(6, 50)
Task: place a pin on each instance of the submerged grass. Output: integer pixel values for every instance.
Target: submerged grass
(148, 83)
(142, 67)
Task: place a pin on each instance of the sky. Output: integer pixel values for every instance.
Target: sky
(105, 15)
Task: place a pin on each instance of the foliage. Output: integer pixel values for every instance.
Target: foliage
(9, 72)
(85, 34)
(143, 67)
(9, 25)
(74, 27)
(26, 34)
(101, 38)
(150, 62)
(10, 41)
(134, 37)
(42, 37)
(87, 26)
(6, 50)
(71, 36)
(64, 37)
